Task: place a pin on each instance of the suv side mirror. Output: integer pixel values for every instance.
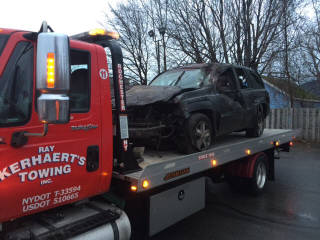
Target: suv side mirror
(53, 77)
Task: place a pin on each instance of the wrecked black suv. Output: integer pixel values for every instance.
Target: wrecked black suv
(191, 105)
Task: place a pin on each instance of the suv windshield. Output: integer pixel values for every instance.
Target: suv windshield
(3, 41)
(184, 78)
(16, 86)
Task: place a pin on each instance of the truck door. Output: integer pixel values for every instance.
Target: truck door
(63, 166)
(231, 107)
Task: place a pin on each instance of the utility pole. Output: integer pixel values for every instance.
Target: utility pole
(162, 31)
(152, 34)
(286, 51)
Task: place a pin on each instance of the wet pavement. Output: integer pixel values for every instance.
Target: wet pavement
(288, 209)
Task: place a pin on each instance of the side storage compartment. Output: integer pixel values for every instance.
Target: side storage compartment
(170, 206)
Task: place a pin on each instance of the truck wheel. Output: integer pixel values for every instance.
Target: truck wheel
(198, 135)
(258, 128)
(259, 179)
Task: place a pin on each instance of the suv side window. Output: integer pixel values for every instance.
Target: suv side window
(79, 81)
(226, 81)
(243, 80)
(255, 80)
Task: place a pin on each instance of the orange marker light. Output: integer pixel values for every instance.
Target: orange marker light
(104, 174)
(134, 188)
(291, 144)
(214, 162)
(114, 35)
(248, 151)
(145, 184)
(277, 144)
(50, 70)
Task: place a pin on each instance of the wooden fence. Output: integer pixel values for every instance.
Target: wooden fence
(307, 119)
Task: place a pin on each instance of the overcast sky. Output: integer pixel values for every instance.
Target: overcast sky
(64, 16)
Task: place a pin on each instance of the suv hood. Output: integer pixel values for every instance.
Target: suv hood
(144, 95)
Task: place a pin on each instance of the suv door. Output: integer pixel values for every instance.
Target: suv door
(230, 102)
(254, 94)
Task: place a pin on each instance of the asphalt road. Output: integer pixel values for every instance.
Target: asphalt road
(288, 209)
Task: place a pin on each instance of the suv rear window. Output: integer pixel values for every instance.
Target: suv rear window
(3, 41)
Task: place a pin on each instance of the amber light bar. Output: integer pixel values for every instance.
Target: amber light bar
(50, 70)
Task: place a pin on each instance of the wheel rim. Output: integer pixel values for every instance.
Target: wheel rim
(202, 134)
(261, 175)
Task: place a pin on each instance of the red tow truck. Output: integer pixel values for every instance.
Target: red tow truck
(67, 166)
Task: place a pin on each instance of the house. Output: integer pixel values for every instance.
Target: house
(279, 97)
(312, 87)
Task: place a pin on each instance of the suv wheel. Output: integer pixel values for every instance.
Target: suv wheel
(198, 134)
(258, 128)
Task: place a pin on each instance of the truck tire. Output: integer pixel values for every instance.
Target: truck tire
(258, 127)
(260, 175)
(198, 134)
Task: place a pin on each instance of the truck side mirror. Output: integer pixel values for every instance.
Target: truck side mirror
(53, 77)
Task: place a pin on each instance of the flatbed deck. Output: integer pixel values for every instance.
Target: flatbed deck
(162, 167)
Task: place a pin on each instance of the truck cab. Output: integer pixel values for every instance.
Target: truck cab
(66, 162)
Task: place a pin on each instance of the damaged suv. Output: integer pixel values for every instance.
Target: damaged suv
(192, 105)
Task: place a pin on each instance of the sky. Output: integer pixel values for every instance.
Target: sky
(64, 16)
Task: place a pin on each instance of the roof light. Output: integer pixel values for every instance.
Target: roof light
(145, 184)
(50, 70)
(248, 151)
(113, 35)
(103, 32)
(134, 188)
(214, 162)
(97, 31)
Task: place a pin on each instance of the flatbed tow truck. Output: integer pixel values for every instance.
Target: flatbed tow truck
(80, 178)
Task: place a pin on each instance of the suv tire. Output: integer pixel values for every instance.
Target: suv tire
(258, 128)
(198, 134)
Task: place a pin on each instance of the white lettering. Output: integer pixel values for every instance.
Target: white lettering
(67, 169)
(25, 163)
(73, 156)
(56, 157)
(4, 174)
(23, 176)
(41, 150)
(14, 168)
(36, 160)
(58, 171)
(64, 157)
(43, 173)
(82, 161)
(47, 158)
(32, 175)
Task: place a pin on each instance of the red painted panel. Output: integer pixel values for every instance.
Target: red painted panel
(51, 171)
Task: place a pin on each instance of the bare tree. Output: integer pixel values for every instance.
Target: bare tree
(131, 22)
(312, 43)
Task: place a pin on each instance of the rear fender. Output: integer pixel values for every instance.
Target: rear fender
(245, 167)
